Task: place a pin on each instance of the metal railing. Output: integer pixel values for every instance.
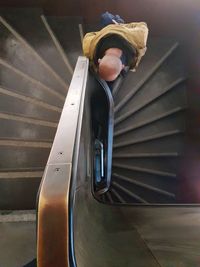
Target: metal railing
(53, 230)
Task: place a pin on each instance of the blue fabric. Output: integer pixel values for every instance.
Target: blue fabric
(33, 263)
(106, 19)
(123, 59)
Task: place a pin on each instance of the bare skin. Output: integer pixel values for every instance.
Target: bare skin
(110, 65)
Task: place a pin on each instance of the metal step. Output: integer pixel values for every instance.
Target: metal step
(30, 25)
(26, 128)
(19, 82)
(17, 237)
(18, 104)
(35, 76)
(16, 51)
(19, 189)
(67, 31)
(150, 117)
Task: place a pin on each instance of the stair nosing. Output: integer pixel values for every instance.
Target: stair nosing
(109, 197)
(27, 45)
(26, 76)
(149, 121)
(57, 44)
(146, 155)
(117, 195)
(20, 175)
(145, 170)
(130, 193)
(148, 138)
(27, 99)
(17, 216)
(46, 144)
(150, 73)
(143, 185)
(29, 120)
(144, 105)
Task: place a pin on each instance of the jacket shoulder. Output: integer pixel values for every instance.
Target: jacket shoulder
(87, 39)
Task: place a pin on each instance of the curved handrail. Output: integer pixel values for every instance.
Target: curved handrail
(53, 231)
(110, 126)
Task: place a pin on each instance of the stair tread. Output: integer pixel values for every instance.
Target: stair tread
(151, 120)
(145, 170)
(67, 32)
(19, 82)
(24, 130)
(144, 185)
(157, 49)
(13, 105)
(18, 237)
(13, 175)
(17, 52)
(143, 103)
(145, 155)
(148, 138)
(16, 157)
(31, 27)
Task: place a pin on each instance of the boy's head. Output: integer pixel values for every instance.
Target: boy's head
(110, 67)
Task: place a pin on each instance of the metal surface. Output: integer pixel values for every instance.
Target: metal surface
(17, 238)
(72, 224)
(160, 49)
(73, 227)
(150, 119)
(58, 45)
(20, 189)
(107, 235)
(53, 204)
(18, 155)
(109, 126)
(25, 128)
(23, 84)
(28, 23)
(171, 233)
(102, 236)
(66, 31)
(33, 85)
(27, 58)
(13, 105)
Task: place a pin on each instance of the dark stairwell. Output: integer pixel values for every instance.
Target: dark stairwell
(151, 123)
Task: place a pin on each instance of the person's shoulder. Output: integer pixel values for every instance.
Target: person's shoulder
(135, 24)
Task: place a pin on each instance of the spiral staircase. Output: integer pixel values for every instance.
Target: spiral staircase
(37, 58)
(35, 76)
(149, 128)
(36, 71)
